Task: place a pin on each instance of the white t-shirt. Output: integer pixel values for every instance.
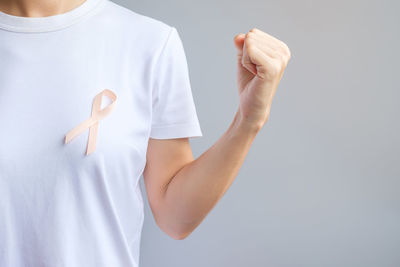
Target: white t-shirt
(59, 206)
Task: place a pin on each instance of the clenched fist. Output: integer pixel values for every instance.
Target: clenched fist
(261, 60)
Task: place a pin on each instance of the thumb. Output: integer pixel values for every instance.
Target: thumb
(242, 57)
(239, 41)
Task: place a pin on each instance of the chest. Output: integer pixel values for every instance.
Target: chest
(47, 89)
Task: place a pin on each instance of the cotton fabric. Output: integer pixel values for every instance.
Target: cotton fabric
(59, 206)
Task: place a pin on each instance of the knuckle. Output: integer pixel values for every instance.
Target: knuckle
(276, 68)
(286, 60)
(281, 58)
(288, 56)
(249, 43)
(254, 30)
(279, 55)
(247, 40)
(250, 35)
(286, 49)
(250, 48)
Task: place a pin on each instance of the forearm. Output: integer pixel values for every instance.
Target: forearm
(199, 185)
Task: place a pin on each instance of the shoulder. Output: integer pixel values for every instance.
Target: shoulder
(123, 20)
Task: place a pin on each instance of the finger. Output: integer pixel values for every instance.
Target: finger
(265, 65)
(267, 36)
(267, 43)
(246, 61)
(279, 54)
(266, 48)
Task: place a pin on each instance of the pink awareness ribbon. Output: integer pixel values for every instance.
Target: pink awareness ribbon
(93, 122)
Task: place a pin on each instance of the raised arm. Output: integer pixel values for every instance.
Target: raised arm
(182, 190)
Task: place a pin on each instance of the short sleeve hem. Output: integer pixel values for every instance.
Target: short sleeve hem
(176, 131)
(173, 108)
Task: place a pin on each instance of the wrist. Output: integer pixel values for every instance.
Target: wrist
(244, 125)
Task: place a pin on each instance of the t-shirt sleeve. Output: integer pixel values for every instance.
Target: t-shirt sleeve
(173, 108)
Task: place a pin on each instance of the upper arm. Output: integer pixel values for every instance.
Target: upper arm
(173, 121)
(165, 157)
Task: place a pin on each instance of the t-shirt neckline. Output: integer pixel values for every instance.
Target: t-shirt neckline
(49, 23)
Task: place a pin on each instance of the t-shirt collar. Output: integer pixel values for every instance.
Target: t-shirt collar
(49, 23)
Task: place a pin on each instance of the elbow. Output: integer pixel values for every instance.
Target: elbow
(175, 230)
(179, 235)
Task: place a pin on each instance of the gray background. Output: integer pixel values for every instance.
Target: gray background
(320, 185)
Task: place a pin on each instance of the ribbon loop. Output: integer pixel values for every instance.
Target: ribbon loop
(92, 123)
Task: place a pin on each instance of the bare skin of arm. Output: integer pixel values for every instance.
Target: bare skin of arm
(181, 203)
(182, 190)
